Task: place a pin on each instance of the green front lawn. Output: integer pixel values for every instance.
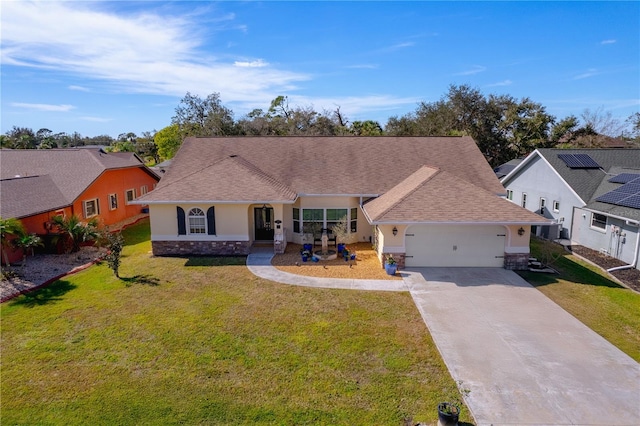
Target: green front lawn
(203, 341)
(587, 293)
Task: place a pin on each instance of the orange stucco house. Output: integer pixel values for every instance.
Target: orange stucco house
(36, 185)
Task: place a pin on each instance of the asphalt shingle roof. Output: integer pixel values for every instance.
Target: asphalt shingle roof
(432, 195)
(589, 184)
(367, 166)
(20, 197)
(70, 170)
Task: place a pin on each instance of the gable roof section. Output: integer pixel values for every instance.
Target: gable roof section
(433, 196)
(71, 171)
(231, 179)
(585, 182)
(357, 166)
(21, 197)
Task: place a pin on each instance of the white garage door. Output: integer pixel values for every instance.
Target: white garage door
(455, 245)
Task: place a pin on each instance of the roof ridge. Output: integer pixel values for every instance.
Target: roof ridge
(418, 185)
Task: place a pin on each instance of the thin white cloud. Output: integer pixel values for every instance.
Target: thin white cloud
(78, 88)
(591, 72)
(96, 119)
(251, 64)
(501, 83)
(43, 107)
(610, 41)
(144, 53)
(475, 70)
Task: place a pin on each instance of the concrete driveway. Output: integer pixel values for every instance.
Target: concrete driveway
(522, 358)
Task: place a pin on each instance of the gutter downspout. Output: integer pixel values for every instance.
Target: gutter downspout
(635, 257)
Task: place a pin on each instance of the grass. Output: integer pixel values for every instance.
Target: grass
(587, 293)
(203, 341)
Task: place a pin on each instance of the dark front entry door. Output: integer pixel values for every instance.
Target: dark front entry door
(263, 219)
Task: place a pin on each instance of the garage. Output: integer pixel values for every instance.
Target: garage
(455, 245)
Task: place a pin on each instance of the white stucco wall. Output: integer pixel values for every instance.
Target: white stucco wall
(620, 245)
(539, 180)
(231, 223)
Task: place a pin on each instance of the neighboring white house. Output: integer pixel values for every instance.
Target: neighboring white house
(428, 201)
(593, 196)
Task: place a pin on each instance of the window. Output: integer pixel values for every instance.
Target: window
(354, 219)
(524, 200)
(334, 216)
(143, 189)
(296, 220)
(556, 206)
(130, 195)
(113, 201)
(197, 221)
(543, 203)
(312, 218)
(91, 208)
(509, 194)
(598, 221)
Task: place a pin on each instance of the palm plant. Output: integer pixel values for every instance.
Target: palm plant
(27, 242)
(75, 231)
(10, 227)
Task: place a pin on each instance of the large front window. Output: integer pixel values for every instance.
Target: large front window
(312, 221)
(197, 222)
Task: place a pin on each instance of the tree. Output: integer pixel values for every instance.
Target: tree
(76, 232)
(27, 243)
(115, 244)
(366, 128)
(168, 141)
(204, 117)
(9, 229)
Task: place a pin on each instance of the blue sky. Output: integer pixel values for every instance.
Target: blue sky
(115, 67)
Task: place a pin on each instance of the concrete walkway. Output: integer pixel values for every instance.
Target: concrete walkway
(519, 358)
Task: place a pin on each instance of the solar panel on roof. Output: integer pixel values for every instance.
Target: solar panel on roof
(579, 161)
(570, 160)
(629, 188)
(633, 202)
(625, 178)
(612, 197)
(587, 161)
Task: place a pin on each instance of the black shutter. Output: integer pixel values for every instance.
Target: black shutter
(182, 226)
(211, 221)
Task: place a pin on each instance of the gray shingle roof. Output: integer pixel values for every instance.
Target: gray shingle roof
(20, 197)
(367, 166)
(70, 170)
(585, 181)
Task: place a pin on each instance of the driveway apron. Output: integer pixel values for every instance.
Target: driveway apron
(520, 358)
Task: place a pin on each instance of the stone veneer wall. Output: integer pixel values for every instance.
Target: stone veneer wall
(516, 261)
(200, 248)
(399, 258)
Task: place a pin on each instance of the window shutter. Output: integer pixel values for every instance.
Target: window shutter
(211, 221)
(182, 227)
(97, 205)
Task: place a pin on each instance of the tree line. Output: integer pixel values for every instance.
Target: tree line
(503, 127)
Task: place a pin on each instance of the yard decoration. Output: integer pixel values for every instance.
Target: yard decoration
(391, 266)
(448, 414)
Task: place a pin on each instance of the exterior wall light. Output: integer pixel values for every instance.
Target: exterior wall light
(521, 231)
(395, 231)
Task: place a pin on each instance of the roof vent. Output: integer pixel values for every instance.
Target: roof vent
(233, 156)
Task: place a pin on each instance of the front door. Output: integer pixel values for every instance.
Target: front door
(263, 221)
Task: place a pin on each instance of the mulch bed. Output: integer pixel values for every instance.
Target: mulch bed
(630, 277)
